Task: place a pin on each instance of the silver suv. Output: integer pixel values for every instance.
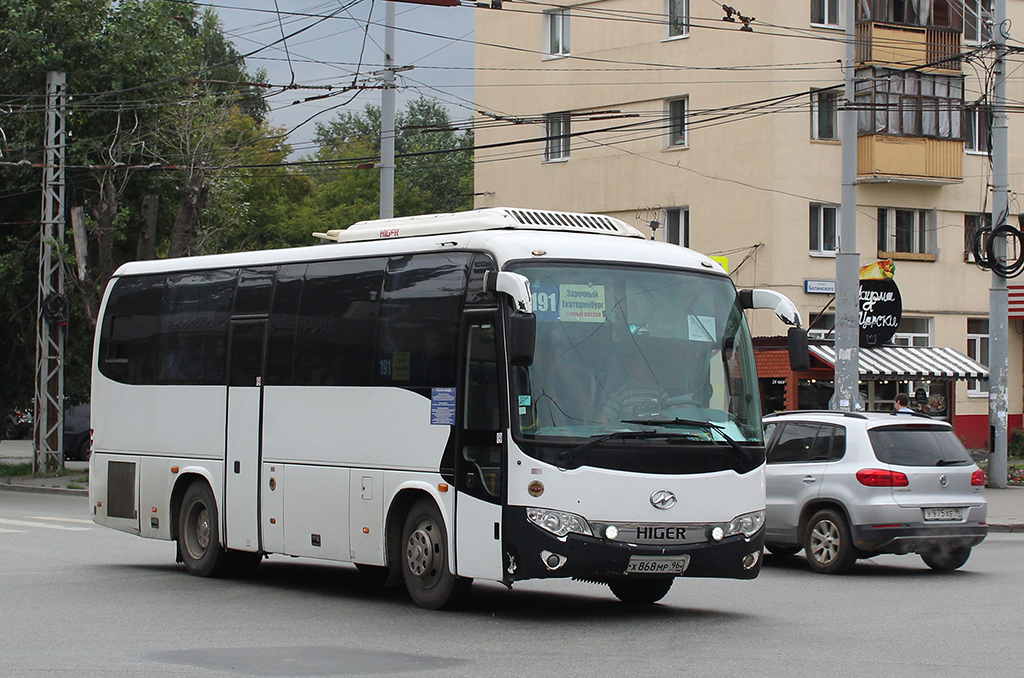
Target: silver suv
(844, 485)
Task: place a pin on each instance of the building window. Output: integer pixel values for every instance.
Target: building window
(556, 142)
(826, 13)
(973, 222)
(977, 349)
(823, 229)
(825, 114)
(556, 32)
(821, 326)
(913, 332)
(977, 21)
(677, 226)
(677, 122)
(977, 124)
(909, 103)
(678, 15)
(903, 231)
(938, 13)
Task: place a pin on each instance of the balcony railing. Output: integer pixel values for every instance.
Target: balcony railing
(901, 46)
(882, 157)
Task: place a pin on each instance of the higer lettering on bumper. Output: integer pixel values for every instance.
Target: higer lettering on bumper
(534, 553)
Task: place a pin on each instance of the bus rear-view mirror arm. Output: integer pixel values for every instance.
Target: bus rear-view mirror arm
(521, 334)
(786, 310)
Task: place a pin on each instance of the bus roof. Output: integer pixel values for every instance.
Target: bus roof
(488, 219)
(516, 242)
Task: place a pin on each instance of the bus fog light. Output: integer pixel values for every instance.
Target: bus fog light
(552, 561)
(751, 559)
(717, 533)
(611, 532)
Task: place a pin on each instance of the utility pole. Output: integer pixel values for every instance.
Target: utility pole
(51, 306)
(846, 394)
(387, 117)
(998, 299)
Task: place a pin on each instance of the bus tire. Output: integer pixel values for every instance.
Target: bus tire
(425, 560)
(199, 533)
(641, 591)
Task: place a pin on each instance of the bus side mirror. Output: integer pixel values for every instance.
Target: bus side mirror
(522, 338)
(799, 356)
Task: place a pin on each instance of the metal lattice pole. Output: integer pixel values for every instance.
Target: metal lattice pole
(51, 307)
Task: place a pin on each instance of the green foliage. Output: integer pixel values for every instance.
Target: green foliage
(1015, 443)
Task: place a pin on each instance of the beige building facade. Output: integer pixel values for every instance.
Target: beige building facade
(671, 112)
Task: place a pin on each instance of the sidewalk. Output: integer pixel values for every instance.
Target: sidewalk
(1005, 507)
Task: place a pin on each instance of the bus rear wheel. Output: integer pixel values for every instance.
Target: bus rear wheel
(425, 560)
(641, 591)
(199, 533)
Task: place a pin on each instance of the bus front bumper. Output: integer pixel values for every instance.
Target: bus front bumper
(534, 553)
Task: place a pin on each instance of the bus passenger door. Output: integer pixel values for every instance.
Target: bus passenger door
(245, 398)
(480, 463)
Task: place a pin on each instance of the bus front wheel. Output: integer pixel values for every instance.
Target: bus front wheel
(199, 533)
(425, 560)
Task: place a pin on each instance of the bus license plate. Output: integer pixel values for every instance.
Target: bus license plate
(657, 564)
(947, 514)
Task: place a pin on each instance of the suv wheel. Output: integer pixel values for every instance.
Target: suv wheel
(945, 561)
(828, 544)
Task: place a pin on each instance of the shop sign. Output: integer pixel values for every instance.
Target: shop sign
(880, 311)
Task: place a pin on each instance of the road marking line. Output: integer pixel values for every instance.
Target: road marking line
(62, 520)
(3, 531)
(25, 523)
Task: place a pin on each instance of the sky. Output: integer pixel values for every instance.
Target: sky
(338, 51)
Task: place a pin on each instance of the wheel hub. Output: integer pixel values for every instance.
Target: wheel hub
(825, 542)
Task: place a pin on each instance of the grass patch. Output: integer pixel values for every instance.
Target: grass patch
(13, 470)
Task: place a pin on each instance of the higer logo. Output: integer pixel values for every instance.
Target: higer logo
(663, 499)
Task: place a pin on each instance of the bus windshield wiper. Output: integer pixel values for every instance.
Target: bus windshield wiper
(567, 457)
(740, 451)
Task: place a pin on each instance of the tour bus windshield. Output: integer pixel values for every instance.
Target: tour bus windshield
(633, 349)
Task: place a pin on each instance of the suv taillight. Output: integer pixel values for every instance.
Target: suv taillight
(876, 477)
(978, 478)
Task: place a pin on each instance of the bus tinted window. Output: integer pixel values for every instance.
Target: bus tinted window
(281, 328)
(419, 319)
(255, 287)
(128, 346)
(193, 340)
(336, 321)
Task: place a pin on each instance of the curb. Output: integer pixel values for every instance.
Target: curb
(43, 490)
(1013, 527)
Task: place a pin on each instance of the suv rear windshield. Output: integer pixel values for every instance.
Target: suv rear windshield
(918, 445)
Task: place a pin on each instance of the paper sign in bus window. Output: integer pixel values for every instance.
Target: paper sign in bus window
(581, 303)
(702, 327)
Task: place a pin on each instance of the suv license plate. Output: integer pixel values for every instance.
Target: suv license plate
(657, 564)
(947, 514)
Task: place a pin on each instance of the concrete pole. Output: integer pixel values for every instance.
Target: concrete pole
(846, 396)
(387, 118)
(998, 309)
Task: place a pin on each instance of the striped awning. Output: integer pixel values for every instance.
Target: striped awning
(916, 362)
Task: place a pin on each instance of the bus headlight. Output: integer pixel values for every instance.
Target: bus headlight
(748, 524)
(558, 523)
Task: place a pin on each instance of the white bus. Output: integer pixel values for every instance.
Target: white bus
(500, 394)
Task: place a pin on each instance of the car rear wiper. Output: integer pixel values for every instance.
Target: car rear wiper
(950, 462)
(567, 457)
(742, 453)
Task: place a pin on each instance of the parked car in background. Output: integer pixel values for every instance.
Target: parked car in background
(77, 433)
(846, 485)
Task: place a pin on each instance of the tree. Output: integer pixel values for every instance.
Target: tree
(435, 175)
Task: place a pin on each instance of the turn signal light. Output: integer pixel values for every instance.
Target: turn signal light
(978, 478)
(876, 477)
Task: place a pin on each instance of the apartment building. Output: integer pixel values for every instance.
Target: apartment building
(718, 127)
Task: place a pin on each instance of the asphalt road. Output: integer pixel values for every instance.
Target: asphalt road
(80, 600)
